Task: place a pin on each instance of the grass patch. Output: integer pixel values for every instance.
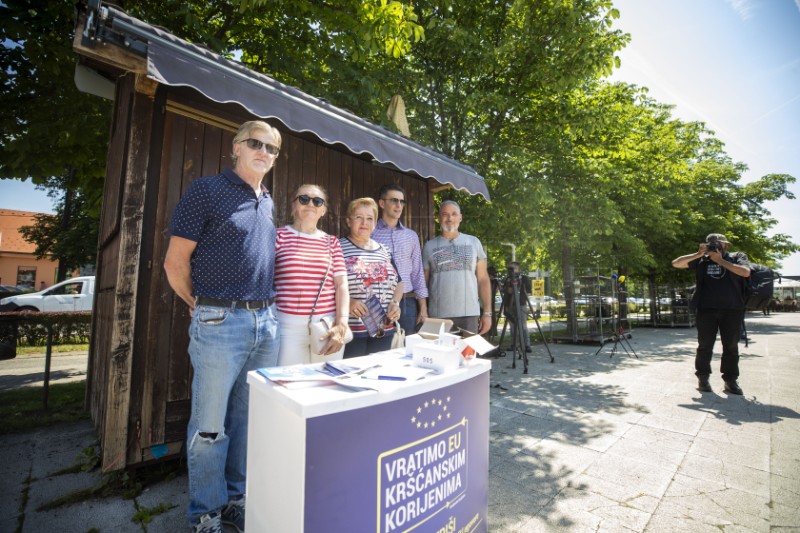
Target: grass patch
(128, 484)
(144, 515)
(57, 348)
(22, 409)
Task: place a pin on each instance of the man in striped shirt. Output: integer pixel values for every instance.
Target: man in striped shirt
(405, 247)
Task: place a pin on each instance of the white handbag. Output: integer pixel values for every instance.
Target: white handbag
(399, 339)
(317, 330)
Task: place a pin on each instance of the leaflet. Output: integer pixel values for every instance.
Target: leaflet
(293, 373)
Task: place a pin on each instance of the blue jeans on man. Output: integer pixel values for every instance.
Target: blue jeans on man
(728, 322)
(224, 345)
(408, 314)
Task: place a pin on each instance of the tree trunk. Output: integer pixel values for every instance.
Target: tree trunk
(568, 274)
(66, 219)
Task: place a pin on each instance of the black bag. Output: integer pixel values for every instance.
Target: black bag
(758, 291)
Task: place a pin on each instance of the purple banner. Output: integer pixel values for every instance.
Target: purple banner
(417, 464)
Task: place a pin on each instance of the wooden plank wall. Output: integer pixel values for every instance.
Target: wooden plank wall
(108, 257)
(148, 378)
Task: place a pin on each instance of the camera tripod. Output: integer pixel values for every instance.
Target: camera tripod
(518, 344)
(619, 336)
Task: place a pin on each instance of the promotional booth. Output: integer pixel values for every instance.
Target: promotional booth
(328, 458)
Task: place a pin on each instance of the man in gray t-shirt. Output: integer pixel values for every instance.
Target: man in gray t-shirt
(455, 272)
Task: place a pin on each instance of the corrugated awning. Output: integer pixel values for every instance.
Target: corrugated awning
(175, 62)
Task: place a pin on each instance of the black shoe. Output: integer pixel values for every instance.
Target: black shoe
(733, 388)
(703, 385)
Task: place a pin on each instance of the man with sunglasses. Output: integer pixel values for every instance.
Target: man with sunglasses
(220, 262)
(404, 244)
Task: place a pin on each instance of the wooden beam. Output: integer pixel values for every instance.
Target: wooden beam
(109, 54)
(145, 85)
(116, 438)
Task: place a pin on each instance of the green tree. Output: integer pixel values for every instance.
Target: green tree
(487, 87)
(57, 136)
(49, 128)
(51, 133)
(70, 234)
(580, 171)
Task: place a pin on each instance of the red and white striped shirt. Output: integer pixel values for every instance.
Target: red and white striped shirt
(300, 263)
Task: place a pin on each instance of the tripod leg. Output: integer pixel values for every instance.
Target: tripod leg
(631, 347)
(547, 346)
(496, 323)
(521, 328)
(600, 349)
(513, 346)
(623, 346)
(538, 327)
(625, 340)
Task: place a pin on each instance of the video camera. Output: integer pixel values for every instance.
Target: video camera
(512, 271)
(515, 283)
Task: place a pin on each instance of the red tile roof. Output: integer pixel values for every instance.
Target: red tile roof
(11, 240)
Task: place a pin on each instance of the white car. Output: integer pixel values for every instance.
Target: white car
(75, 294)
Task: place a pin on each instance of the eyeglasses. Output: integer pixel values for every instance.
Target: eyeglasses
(304, 199)
(382, 329)
(395, 201)
(255, 144)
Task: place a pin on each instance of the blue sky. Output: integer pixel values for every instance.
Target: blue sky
(733, 64)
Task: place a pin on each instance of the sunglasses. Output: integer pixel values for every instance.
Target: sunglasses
(382, 329)
(255, 144)
(395, 201)
(304, 199)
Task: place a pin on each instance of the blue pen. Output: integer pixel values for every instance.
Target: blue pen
(392, 378)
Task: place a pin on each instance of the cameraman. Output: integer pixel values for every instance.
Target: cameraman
(523, 289)
(719, 301)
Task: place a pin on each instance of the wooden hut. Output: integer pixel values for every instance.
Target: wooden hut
(176, 108)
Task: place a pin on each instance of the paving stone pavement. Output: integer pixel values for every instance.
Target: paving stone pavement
(599, 443)
(587, 443)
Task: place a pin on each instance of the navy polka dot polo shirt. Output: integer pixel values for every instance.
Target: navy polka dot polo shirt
(235, 235)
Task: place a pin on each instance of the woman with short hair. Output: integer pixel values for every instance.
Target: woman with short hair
(374, 284)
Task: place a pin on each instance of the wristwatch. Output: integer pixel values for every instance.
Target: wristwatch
(487, 314)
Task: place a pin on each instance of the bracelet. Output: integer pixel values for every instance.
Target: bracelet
(487, 314)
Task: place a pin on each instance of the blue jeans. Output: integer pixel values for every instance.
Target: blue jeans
(224, 344)
(408, 315)
(363, 344)
(728, 322)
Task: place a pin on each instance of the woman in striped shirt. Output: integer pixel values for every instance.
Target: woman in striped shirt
(303, 256)
(375, 286)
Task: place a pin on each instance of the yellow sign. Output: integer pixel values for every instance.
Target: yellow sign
(538, 287)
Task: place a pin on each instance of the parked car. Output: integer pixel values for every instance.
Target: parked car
(75, 294)
(11, 290)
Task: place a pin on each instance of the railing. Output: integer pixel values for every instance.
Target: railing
(78, 323)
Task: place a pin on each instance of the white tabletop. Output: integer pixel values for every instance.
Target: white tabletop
(330, 398)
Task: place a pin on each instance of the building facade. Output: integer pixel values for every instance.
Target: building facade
(18, 263)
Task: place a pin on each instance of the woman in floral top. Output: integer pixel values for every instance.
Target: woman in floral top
(375, 287)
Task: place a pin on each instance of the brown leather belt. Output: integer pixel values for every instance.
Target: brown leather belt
(250, 305)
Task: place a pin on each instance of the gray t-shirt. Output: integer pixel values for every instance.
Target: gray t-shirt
(453, 285)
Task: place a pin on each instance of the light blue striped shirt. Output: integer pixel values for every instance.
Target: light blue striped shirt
(404, 245)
